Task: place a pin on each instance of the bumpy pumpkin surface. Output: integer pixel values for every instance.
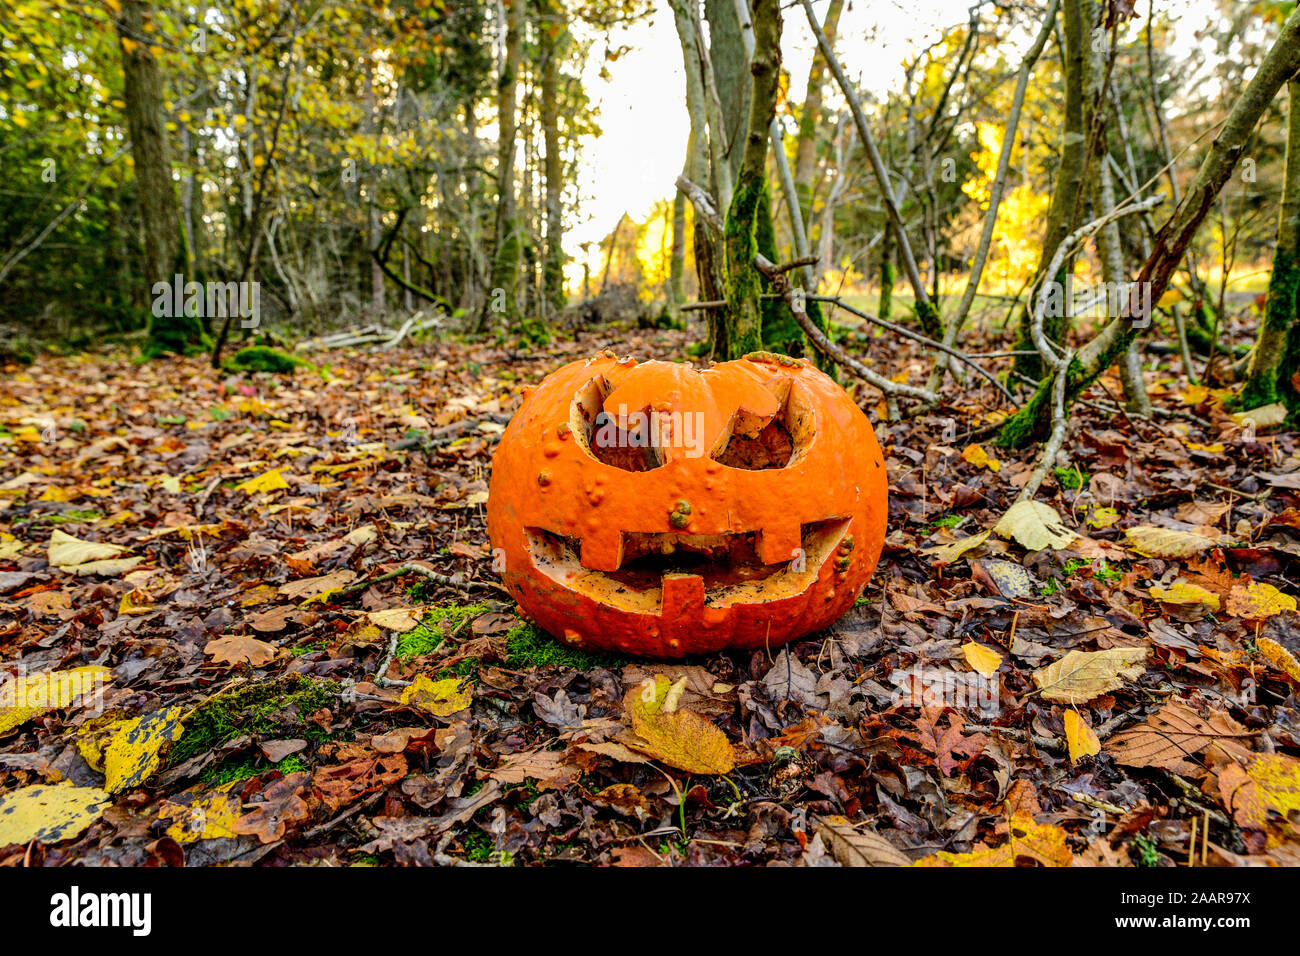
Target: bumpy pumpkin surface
(656, 509)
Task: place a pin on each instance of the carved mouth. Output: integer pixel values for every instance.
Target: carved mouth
(662, 571)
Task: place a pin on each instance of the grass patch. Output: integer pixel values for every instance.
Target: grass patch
(438, 624)
(1072, 478)
(229, 772)
(262, 358)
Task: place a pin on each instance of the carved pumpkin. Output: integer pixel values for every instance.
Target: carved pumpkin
(661, 510)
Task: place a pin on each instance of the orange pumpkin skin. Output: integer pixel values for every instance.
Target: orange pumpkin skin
(771, 546)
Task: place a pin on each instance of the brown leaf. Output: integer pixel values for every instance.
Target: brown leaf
(239, 649)
(858, 847)
(272, 811)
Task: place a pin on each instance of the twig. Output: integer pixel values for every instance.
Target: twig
(446, 580)
(703, 204)
(914, 336)
(818, 338)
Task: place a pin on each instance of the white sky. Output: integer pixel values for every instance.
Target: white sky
(642, 105)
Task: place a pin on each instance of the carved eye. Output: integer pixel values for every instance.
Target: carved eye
(601, 436)
(778, 442)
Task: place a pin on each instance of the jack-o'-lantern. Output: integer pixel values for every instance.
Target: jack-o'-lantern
(653, 508)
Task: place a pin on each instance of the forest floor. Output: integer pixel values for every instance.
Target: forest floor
(219, 544)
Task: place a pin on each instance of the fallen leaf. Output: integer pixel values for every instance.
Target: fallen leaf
(1269, 649)
(1258, 601)
(36, 694)
(240, 649)
(400, 619)
(857, 847)
(977, 456)
(1080, 676)
(679, 738)
(1081, 738)
(440, 698)
(983, 660)
(1153, 542)
(1026, 840)
(66, 552)
(272, 480)
(1269, 785)
(1170, 736)
(49, 814)
(203, 814)
(946, 553)
(271, 811)
(1183, 593)
(1035, 526)
(135, 748)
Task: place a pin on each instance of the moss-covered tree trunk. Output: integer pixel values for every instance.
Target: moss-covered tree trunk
(1276, 357)
(1279, 66)
(507, 254)
(744, 283)
(888, 273)
(1065, 194)
(161, 228)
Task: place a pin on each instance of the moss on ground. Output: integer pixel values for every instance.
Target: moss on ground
(262, 358)
(277, 707)
(438, 624)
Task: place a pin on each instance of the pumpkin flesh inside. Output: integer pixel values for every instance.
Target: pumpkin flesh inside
(660, 570)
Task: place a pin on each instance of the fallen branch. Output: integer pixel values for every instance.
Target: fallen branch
(918, 337)
(794, 299)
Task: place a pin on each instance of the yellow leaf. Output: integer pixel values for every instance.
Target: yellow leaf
(135, 749)
(1153, 542)
(1258, 601)
(10, 547)
(945, 553)
(170, 484)
(1279, 657)
(1266, 416)
(1182, 592)
(1102, 517)
(977, 456)
(272, 480)
(205, 815)
(1270, 784)
(440, 698)
(1026, 840)
(135, 602)
(49, 814)
(1035, 526)
(1081, 738)
(66, 552)
(400, 619)
(1080, 676)
(21, 700)
(679, 738)
(982, 660)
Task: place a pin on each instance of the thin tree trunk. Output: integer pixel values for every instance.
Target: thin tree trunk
(1065, 194)
(805, 157)
(507, 250)
(553, 32)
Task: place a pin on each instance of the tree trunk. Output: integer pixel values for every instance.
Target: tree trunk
(1062, 213)
(553, 32)
(805, 157)
(160, 219)
(507, 252)
(1276, 357)
(744, 282)
(1170, 245)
